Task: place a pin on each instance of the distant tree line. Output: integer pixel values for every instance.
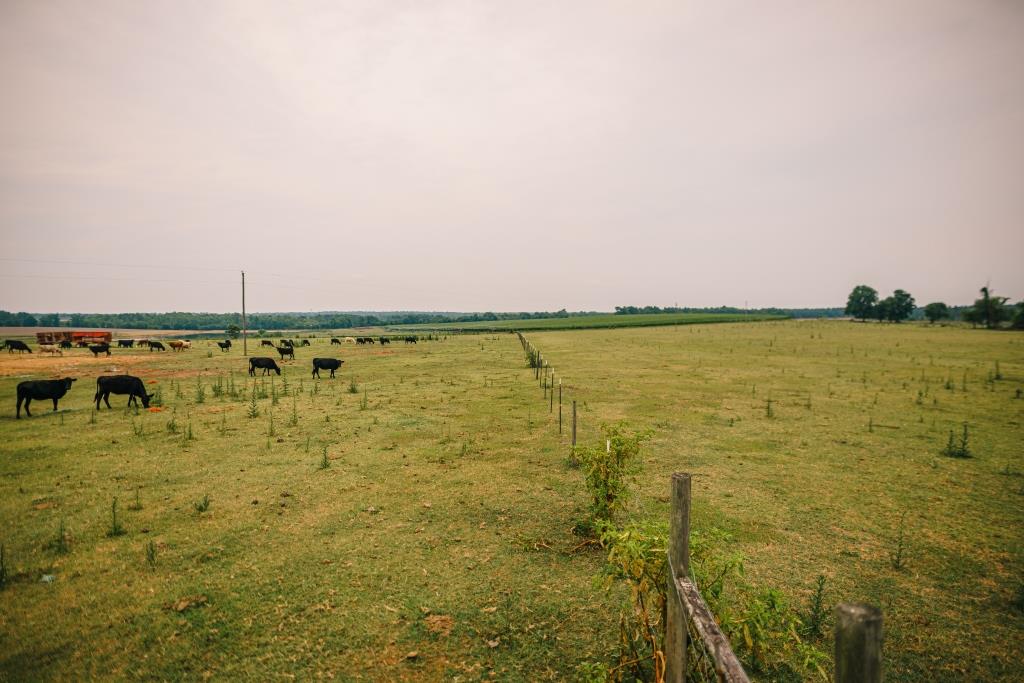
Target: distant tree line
(791, 312)
(278, 321)
(988, 310)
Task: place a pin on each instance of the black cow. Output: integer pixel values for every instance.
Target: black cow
(16, 345)
(159, 346)
(121, 384)
(42, 389)
(335, 340)
(224, 345)
(65, 344)
(331, 364)
(384, 340)
(286, 351)
(266, 342)
(287, 342)
(360, 340)
(410, 340)
(267, 364)
(305, 342)
(125, 343)
(97, 349)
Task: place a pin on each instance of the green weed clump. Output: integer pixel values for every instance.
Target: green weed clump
(608, 470)
(203, 505)
(151, 554)
(254, 407)
(958, 448)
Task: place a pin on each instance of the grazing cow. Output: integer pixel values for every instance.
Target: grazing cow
(224, 345)
(267, 364)
(410, 340)
(350, 340)
(331, 364)
(125, 343)
(286, 351)
(121, 384)
(156, 345)
(305, 342)
(360, 340)
(179, 344)
(335, 341)
(51, 349)
(40, 390)
(384, 340)
(16, 345)
(65, 344)
(97, 349)
(266, 342)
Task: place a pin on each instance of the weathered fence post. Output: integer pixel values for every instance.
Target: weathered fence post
(858, 644)
(679, 566)
(574, 424)
(551, 396)
(559, 407)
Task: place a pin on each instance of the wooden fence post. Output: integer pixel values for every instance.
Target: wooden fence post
(858, 644)
(679, 566)
(574, 424)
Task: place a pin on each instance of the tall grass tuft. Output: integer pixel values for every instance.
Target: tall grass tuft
(115, 525)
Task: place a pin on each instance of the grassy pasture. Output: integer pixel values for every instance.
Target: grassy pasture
(436, 544)
(585, 322)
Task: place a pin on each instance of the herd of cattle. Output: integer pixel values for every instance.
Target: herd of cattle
(55, 389)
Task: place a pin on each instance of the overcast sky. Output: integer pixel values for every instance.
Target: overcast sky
(507, 155)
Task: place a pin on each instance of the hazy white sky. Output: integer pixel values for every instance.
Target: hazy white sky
(507, 155)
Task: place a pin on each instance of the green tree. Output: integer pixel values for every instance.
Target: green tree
(883, 309)
(861, 302)
(233, 330)
(990, 310)
(1018, 316)
(902, 306)
(936, 311)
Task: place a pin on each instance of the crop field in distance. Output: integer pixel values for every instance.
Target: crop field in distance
(411, 519)
(609, 320)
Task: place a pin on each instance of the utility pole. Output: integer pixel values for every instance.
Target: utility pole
(245, 341)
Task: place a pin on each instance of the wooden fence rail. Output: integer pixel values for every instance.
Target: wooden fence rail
(858, 632)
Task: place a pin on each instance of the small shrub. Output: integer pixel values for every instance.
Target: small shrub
(151, 554)
(203, 505)
(137, 505)
(324, 461)
(353, 388)
(607, 470)
(200, 390)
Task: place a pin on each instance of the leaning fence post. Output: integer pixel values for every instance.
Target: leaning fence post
(679, 566)
(858, 644)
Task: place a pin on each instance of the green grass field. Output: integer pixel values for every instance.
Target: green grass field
(585, 322)
(437, 546)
